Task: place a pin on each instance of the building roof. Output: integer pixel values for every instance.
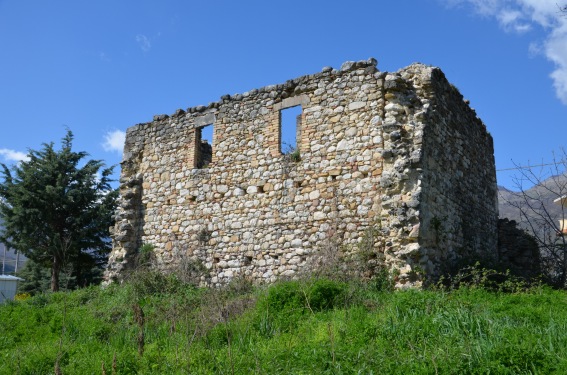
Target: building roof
(10, 277)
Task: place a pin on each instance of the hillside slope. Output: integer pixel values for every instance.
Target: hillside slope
(511, 204)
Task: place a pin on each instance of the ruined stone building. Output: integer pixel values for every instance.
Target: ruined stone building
(399, 155)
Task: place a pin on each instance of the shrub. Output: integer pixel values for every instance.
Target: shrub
(149, 282)
(146, 255)
(316, 295)
(282, 296)
(22, 296)
(476, 276)
(325, 294)
(283, 304)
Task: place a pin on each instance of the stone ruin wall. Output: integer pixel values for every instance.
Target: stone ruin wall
(399, 155)
(459, 203)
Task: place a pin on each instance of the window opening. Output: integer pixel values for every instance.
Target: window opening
(290, 121)
(204, 146)
(207, 133)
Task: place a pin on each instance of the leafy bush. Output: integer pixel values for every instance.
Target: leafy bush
(284, 303)
(477, 276)
(146, 255)
(149, 282)
(325, 294)
(315, 295)
(22, 296)
(283, 296)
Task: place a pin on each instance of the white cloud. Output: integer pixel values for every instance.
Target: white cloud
(484, 7)
(513, 20)
(11, 155)
(103, 56)
(143, 42)
(535, 49)
(114, 141)
(520, 16)
(556, 51)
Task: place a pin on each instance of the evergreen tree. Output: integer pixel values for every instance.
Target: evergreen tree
(57, 212)
(35, 277)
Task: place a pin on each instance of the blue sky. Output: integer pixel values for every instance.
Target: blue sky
(98, 67)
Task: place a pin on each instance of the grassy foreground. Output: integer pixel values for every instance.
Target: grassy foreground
(158, 325)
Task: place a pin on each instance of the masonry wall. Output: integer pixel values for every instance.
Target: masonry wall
(376, 151)
(459, 201)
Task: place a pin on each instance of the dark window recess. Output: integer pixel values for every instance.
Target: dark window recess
(204, 145)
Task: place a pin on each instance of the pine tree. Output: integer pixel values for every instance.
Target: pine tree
(57, 209)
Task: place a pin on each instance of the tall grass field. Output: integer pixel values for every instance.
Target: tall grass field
(158, 325)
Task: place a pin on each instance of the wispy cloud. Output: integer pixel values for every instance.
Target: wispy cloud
(520, 16)
(144, 42)
(103, 57)
(513, 20)
(11, 155)
(114, 141)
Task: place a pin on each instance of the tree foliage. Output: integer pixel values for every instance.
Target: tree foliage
(57, 209)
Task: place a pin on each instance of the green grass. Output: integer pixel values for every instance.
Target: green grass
(308, 327)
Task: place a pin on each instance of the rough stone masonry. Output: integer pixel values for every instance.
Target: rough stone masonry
(399, 155)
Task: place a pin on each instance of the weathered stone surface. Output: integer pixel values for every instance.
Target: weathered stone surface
(517, 250)
(398, 154)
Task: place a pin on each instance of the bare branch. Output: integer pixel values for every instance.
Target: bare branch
(539, 215)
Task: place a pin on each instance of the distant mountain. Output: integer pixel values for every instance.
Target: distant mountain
(502, 188)
(510, 203)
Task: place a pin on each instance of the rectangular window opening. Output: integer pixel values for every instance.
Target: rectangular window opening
(290, 126)
(204, 146)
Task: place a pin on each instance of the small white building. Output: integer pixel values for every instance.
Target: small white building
(8, 286)
(562, 201)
